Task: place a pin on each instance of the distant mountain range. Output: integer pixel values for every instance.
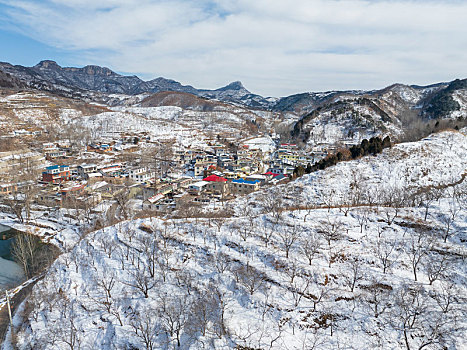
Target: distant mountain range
(101, 84)
(50, 76)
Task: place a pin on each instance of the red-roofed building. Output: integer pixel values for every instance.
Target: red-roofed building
(216, 184)
(270, 175)
(215, 178)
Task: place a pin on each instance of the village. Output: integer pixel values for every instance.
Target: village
(132, 175)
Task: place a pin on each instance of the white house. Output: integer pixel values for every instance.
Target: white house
(85, 169)
(141, 175)
(197, 187)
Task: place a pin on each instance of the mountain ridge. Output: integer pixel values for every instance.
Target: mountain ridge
(97, 84)
(103, 79)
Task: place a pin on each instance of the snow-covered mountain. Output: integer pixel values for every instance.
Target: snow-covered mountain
(434, 100)
(48, 74)
(321, 263)
(397, 110)
(404, 112)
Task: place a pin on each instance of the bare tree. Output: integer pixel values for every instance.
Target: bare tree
(252, 279)
(345, 203)
(331, 230)
(243, 229)
(140, 281)
(377, 297)
(393, 200)
(448, 219)
(174, 315)
(309, 207)
(102, 296)
(420, 325)
(409, 306)
(163, 261)
(288, 235)
(362, 218)
(427, 197)
(69, 333)
(267, 230)
(329, 198)
(33, 256)
(146, 327)
(300, 288)
(149, 248)
(123, 204)
(354, 273)
(272, 203)
(219, 222)
(293, 270)
(313, 340)
(222, 262)
(205, 312)
(318, 291)
(418, 246)
(310, 246)
(436, 265)
(448, 297)
(386, 252)
(460, 195)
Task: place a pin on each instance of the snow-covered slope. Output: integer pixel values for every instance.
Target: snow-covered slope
(275, 275)
(437, 160)
(40, 111)
(401, 111)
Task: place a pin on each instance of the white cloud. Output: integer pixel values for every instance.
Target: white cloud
(275, 47)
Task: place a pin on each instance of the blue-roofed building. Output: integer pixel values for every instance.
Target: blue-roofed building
(242, 186)
(56, 174)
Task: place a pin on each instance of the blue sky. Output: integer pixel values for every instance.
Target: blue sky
(274, 47)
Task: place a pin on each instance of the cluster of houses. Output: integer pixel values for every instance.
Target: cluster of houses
(215, 173)
(55, 151)
(244, 161)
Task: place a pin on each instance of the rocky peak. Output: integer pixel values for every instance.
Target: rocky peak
(47, 64)
(97, 70)
(236, 85)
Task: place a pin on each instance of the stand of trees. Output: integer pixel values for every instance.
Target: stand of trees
(443, 103)
(31, 254)
(373, 146)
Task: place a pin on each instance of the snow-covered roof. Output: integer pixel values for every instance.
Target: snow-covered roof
(94, 175)
(199, 184)
(155, 198)
(257, 177)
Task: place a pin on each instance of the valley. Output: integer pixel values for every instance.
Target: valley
(220, 219)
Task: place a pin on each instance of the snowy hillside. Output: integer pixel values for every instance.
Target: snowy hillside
(43, 112)
(460, 96)
(401, 111)
(437, 160)
(282, 273)
(350, 122)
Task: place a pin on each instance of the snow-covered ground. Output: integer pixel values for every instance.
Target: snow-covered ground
(273, 275)
(265, 144)
(436, 160)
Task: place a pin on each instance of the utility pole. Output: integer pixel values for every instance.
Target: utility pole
(9, 307)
